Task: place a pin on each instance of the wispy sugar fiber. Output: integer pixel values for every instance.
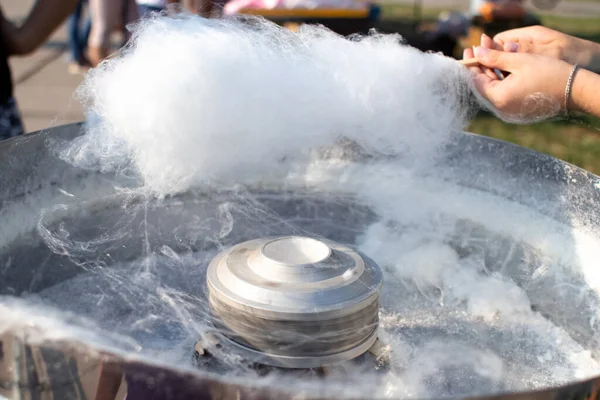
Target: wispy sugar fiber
(193, 100)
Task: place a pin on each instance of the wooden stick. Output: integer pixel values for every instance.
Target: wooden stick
(469, 62)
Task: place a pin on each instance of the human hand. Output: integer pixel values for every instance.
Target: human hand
(488, 43)
(534, 90)
(547, 42)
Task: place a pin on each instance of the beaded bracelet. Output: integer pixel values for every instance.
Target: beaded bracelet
(569, 86)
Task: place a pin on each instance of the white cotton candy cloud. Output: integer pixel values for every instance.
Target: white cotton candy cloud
(194, 100)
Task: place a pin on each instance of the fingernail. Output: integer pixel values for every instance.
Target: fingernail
(512, 47)
(480, 51)
(483, 37)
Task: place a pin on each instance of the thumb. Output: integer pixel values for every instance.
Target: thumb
(498, 59)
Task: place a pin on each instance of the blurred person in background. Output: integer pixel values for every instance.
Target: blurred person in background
(147, 7)
(490, 10)
(196, 6)
(42, 21)
(551, 73)
(205, 8)
(108, 16)
(445, 35)
(79, 32)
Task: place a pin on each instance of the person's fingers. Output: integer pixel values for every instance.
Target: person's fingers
(481, 74)
(487, 42)
(510, 47)
(513, 35)
(468, 53)
(493, 90)
(498, 59)
(483, 84)
(490, 73)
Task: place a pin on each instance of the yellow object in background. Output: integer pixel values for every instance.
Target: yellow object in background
(292, 26)
(308, 13)
(511, 9)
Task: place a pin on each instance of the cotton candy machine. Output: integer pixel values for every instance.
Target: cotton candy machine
(336, 284)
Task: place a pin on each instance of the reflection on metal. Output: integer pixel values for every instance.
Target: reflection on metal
(57, 371)
(50, 371)
(61, 371)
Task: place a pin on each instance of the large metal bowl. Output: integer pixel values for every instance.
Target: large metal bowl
(66, 366)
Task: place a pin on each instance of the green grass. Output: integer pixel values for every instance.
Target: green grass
(393, 11)
(588, 28)
(576, 141)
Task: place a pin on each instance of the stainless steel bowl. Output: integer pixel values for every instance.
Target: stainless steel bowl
(67, 365)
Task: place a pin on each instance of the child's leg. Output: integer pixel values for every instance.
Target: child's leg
(106, 17)
(73, 26)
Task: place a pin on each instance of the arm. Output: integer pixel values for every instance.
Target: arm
(535, 88)
(44, 18)
(551, 43)
(584, 93)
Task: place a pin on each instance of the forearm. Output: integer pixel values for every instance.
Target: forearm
(44, 18)
(584, 93)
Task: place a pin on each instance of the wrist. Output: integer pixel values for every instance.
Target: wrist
(578, 101)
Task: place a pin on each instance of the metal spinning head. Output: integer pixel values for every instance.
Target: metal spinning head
(295, 302)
